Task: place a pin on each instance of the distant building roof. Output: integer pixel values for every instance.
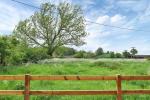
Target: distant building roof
(141, 56)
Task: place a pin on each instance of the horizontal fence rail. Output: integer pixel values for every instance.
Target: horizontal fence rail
(27, 92)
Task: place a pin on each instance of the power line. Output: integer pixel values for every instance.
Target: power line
(26, 4)
(131, 29)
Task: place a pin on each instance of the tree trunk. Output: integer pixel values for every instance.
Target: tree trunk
(2, 61)
(50, 52)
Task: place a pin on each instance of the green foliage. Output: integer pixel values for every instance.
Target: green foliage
(88, 55)
(79, 54)
(107, 52)
(19, 86)
(118, 55)
(133, 51)
(126, 54)
(54, 25)
(16, 57)
(13, 52)
(35, 54)
(4, 52)
(84, 54)
(105, 55)
(99, 51)
(64, 51)
(112, 55)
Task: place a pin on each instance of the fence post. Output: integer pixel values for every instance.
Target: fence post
(27, 87)
(119, 90)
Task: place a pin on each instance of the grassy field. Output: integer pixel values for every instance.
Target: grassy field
(78, 67)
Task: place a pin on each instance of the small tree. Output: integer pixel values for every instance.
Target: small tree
(53, 26)
(126, 54)
(133, 51)
(112, 55)
(99, 51)
(118, 55)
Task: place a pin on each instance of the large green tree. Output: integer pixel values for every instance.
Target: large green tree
(53, 26)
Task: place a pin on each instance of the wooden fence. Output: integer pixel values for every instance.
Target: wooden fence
(118, 92)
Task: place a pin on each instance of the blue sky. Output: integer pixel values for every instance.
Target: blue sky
(133, 14)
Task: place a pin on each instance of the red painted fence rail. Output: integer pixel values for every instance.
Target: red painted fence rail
(27, 92)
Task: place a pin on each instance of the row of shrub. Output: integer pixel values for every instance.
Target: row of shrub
(13, 52)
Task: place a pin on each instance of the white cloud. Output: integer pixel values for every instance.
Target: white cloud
(10, 16)
(103, 19)
(98, 32)
(118, 19)
(112, 20)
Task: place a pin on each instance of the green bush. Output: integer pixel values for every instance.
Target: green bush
(24, 55)
(88, 55)
(64, 51)
(16, 58)
(35, 54)
(112, 55)
(105, 55)
(79, 54)
(118, 55)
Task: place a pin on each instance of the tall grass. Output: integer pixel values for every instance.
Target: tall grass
(85, 67)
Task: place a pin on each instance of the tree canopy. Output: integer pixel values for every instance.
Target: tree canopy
(133, 51)
(53, 26)
(126, 54)
(99, 51)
